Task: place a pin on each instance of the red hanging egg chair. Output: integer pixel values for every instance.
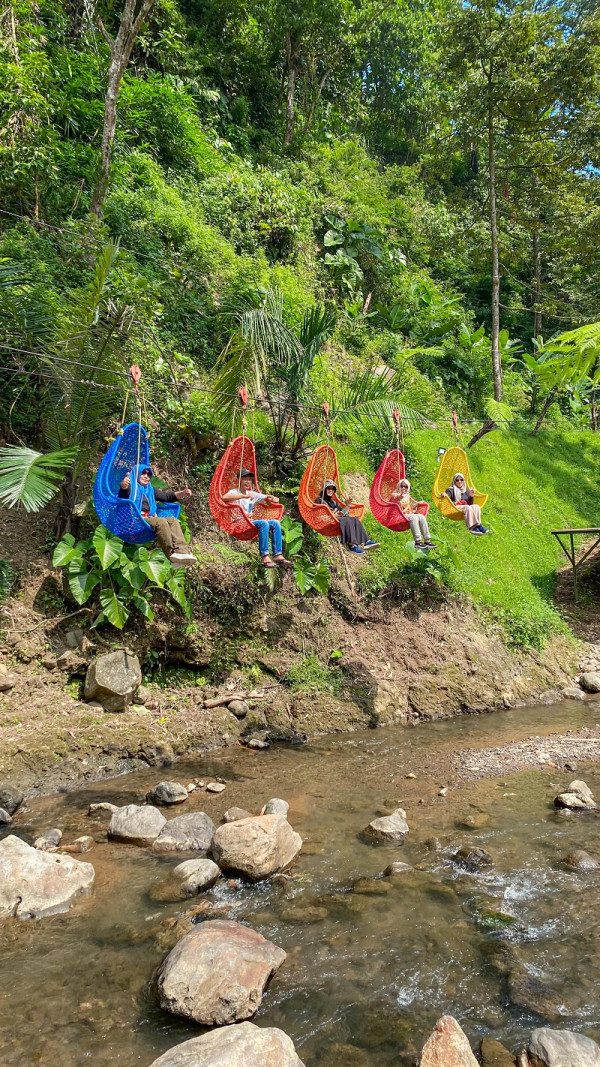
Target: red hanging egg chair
(230, 516)
(322, 468)
(387, 511)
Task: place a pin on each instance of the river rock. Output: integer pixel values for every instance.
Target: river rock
(494, 1054)
(136, 825)
(187, 833)
(276, 806)
(5, 818)
(258, 847)
(245, 1045)
(215, 787)
(186, 880)
(392, 827)
(239, 708)
(217, 973)
(48, 840)
(34, 883)
(581, 788)
(235, 814)
(397, 868)
(448, 1046)
(473, 858)
(578, 797)
(476, 821)
(166, 793)
(143, 694)
(11, 798)
(562, 1048)
(528, 992)
(571, 693)
(580, 860)
(590, 681)
(113, 679)
(102, 808)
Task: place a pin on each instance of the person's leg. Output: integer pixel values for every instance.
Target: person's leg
(424, 527)
(162, 530)
(263, 536)
(472, 516)
(415, 527)
(179, 542)
(276, 537)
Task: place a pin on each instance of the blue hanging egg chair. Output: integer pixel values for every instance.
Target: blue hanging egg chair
(120, 515)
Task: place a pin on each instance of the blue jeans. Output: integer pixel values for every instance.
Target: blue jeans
(263, 526)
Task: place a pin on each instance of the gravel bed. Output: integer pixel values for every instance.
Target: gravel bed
(558, 750)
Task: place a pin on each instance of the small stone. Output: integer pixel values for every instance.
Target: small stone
(11, 798)
(443, 791)
(371, 887)
(143, 694)
(275, 806)
(411, 775)
(571, 693)
(80, 844)
(186, 880)
(215, 787)
(113, 680)
(580, 860)
(303, 913)
(191, 786)
(235, 814)
(590, 681)
(392, 827)
(102, 808)
(255, 742)
(5, 818)
(474, 822)
(397, 868)
(239, 708)
(473, 858)
(136, 825)
(7, 681)
(166, 793)
(48, 840)
(433, 844)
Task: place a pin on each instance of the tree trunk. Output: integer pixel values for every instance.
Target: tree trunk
(496, 362)
(315, 100)
(487, 427)
(537, 285)
(548, 402)
(290, 114)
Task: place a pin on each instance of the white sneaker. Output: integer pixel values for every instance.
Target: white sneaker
(183, 559)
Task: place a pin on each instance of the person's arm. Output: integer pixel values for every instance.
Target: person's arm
(125, 488)
(165, 496)
(235, 494)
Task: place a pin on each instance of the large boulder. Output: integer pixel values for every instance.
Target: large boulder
(562, 1048)
(578, 797)
(33, 883)
(590, 681)
(136, 825)
(187, 833)
(217, 973)
(392, 827)
(11, 798)
(166, 793)
(113, 679)
(186, 880)
(245, 1045)
(258, 847)
(447, 1046)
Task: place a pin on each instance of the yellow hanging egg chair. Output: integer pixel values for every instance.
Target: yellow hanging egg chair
(454, 461)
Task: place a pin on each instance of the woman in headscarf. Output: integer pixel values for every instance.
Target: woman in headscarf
(352, 531)
(419, 526)
(462, 497)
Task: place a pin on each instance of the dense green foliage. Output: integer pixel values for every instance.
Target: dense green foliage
(300, 200)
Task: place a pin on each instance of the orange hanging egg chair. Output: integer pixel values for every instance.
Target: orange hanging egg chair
(387, 511)
(322, 468)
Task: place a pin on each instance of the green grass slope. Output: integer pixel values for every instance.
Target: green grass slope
(535, 484)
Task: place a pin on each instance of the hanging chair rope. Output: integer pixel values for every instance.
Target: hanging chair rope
(243, 395)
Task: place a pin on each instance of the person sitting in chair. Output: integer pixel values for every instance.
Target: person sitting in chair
(419, 526)
(136, 486)
(246, 496)
(352, 531)
(463, 497)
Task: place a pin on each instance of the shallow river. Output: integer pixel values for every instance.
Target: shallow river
(369, 972)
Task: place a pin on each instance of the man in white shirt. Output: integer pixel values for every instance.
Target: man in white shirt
(247, 497)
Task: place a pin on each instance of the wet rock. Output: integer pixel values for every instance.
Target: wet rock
(258, 847)
(5, 818)
(433, 844)
(215, 787)
(397, 868)
(577, 796)
(392, 827)
(493, 1054)
(239, 708)
(83, 843)
(304, 913)
(590, 681)
(371, 887)
(102, 808)
(448, 1046)
(136, 825)
(580, 860)
(217, 973)
(562, 1048)
(113, 679)
(235, 814)
(186, 833)
(158, 754)
(11, 798)
(581, 788)
(48, 840)
(341, 1054)
(573, 694)
(473, 859)
(527, 992)
(276, 806)
(476, 821)
(187, 879)
(34, 883)
(245, 1045)
(166, 793)
(257, 742)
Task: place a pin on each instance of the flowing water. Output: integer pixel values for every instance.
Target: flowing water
(369, 967)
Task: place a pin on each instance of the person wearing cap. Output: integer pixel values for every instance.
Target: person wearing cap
(137, 487)
(247, 497)
(352, 531)
(419, 526)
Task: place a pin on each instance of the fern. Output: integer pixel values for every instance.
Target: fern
(31, 478)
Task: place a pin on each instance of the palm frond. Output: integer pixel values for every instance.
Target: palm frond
(32, 478)
(316, 326)
(369, 395)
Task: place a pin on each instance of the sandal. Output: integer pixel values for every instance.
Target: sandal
(267, 562)
(281, 561)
